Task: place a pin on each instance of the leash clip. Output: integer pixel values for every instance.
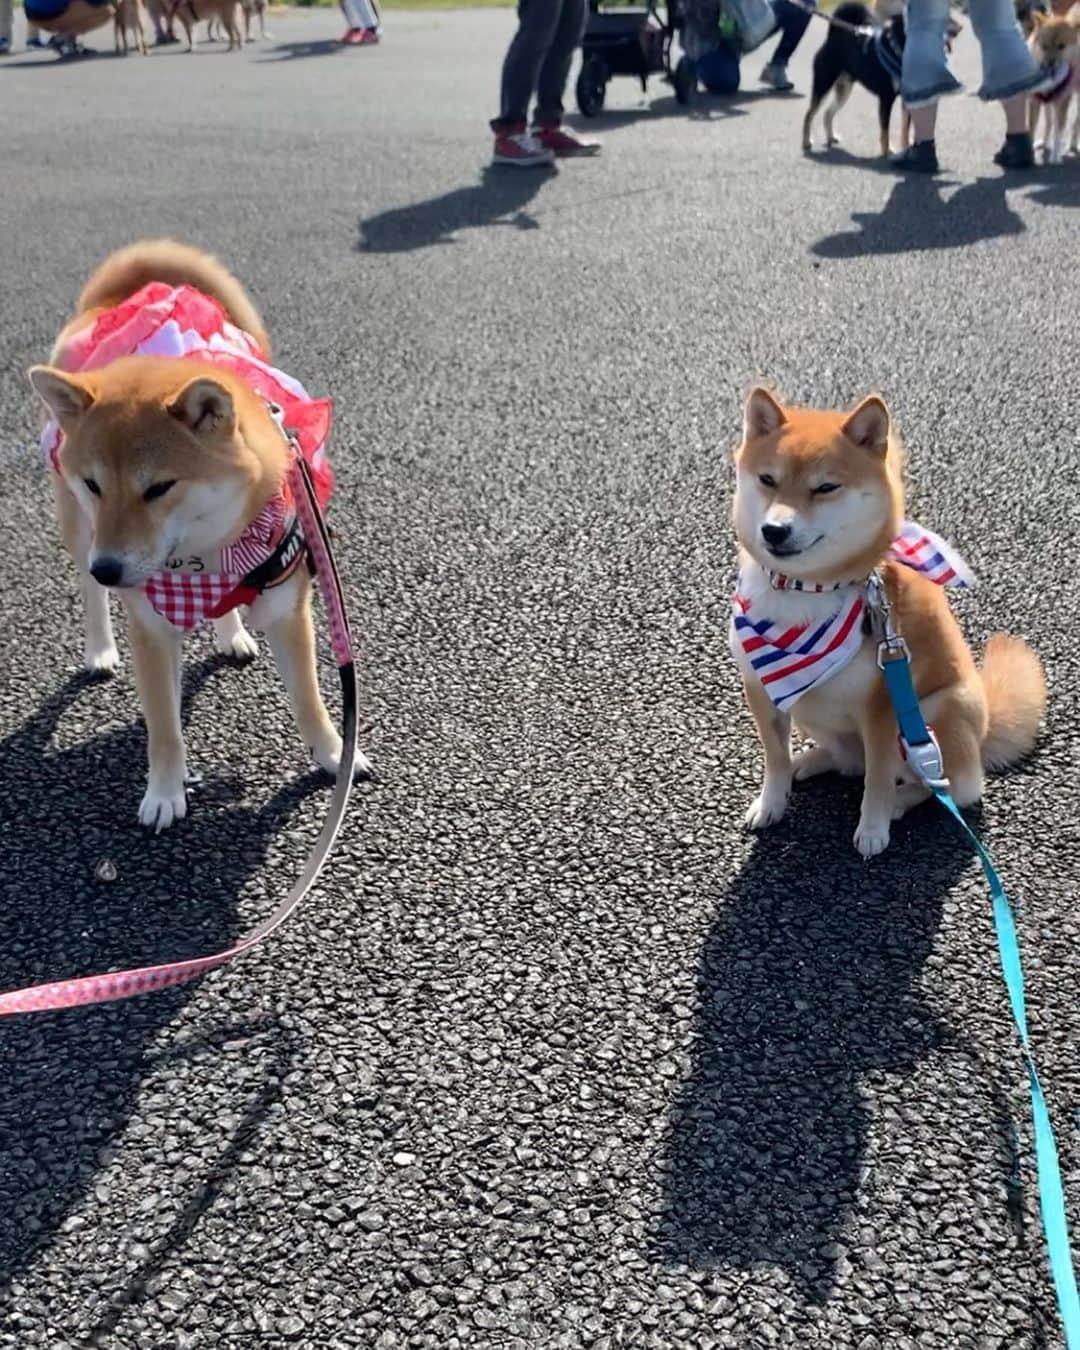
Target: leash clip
(891, 646)
(926, 761)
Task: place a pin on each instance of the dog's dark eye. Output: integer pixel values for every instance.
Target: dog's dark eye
(93, 487)
(823, 488)
(156, 490)
(767, 480)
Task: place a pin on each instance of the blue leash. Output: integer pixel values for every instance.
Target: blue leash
(924, 757)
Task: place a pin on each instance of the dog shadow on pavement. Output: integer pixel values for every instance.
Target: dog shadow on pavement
(72, 1079)
(918, 217)
(1059, 187)
(500, 198)
(807, 985)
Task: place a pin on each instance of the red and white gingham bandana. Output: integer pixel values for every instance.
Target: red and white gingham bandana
(181, 323)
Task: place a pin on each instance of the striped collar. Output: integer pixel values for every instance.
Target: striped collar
(780, 581)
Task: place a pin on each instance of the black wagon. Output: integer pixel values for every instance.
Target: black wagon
(630, 40)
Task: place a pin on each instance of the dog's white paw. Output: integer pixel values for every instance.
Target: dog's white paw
(766, 809)
(161, 806)
(872, 837)
(327, 755)
(102, 660)
(809, 763)
(232, 639)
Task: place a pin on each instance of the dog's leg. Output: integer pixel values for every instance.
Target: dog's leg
(1074, 139)
(1060, 111)
(1034, 111)
(292, 641)
(883, 767)
(808, 122)
(774, 729)
(100, 656)
(232, 639)
(140, 32)
(841, 95)
(155, 648)
(905, 129)
(884, 118)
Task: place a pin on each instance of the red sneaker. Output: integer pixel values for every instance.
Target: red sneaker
(522, 150)
(368, 37)
(351, 37)
(564, 143)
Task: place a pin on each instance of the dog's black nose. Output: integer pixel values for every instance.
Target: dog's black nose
(775, 535)
(107, 571)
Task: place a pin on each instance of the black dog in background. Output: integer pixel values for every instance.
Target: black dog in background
(871, 57)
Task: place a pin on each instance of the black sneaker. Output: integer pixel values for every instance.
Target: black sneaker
(918, 158)
(1017, 152)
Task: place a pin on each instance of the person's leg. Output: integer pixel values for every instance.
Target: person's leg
(925, 75)
(5, 26)
(793, 21)
(537, 22)
(1009, 69)
(555, 67)
(551, 85)
(361, 17)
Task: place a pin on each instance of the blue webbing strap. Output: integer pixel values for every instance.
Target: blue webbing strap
(896, 668)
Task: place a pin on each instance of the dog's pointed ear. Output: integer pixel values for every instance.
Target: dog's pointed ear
(763, 414)
(205, 407)
(66, 397)
(868, 426)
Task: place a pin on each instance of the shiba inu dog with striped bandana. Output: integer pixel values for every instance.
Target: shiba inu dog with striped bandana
(819, 511)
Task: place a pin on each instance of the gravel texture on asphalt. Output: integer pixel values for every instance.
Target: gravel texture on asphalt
(556, 1056)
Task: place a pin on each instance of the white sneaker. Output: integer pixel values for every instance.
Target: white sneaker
(522, 150)
(777, 78)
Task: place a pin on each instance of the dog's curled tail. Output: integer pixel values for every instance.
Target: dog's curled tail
(130, 269)
(1015, 689)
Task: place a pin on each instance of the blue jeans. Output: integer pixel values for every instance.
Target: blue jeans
(1008, 66)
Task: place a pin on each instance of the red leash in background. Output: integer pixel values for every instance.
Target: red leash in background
(120, 984)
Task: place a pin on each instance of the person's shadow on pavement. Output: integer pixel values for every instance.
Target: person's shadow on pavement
(72, 1079)
(808, 983)
(917, 217)
(499, 198)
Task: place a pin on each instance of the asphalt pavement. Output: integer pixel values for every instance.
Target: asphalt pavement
(555, 1056)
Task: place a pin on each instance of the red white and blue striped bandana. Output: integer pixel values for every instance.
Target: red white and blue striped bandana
(790, 661)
